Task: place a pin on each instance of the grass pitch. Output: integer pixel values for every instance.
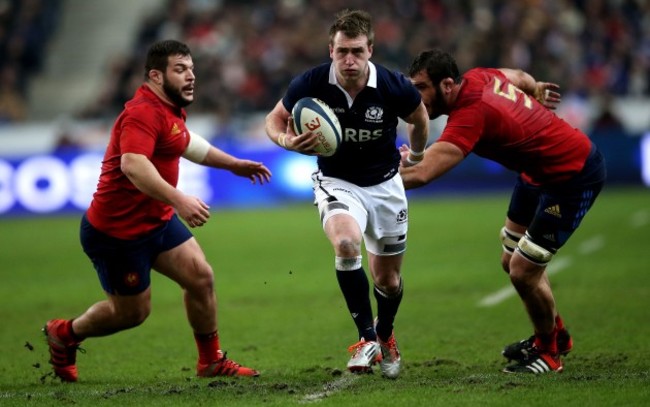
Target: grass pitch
(281, 312)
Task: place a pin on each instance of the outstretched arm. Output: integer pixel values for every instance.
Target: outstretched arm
(200, 151)
(253, 170)
(439, 158)
(546, 93)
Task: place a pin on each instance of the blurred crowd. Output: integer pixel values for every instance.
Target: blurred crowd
(26, 26)
(246, 51)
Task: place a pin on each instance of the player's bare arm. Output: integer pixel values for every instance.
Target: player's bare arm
(257, 172)
(279, 128)
(418, 133)
(142, 173)
(438, 159)
(546, 93)
(200, 151)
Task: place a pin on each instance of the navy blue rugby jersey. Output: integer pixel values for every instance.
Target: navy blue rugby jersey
(368, 154)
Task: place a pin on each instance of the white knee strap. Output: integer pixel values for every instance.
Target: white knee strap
(533, 252)
(509, 239)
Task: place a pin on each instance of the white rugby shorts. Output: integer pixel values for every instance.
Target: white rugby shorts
(381, 211)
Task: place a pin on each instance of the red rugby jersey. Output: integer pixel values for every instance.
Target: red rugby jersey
(496, 120)
(157, 130)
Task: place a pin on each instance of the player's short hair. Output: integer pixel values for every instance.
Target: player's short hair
(437, 64)
(159, 53)
(353, 23)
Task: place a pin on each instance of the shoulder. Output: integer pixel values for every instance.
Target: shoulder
(474, 83)
(144, 109)
(484, 74)
(315, 75)
(313, 82)
(393, 79)
(397, 91)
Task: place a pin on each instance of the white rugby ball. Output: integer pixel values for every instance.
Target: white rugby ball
(312, 114)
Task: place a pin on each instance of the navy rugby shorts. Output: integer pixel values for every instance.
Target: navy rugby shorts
(124, 266)
(553, 213)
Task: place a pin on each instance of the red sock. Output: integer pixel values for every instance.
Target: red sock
(559, 324)
(547, 343)
(66, 333)
(208, 346)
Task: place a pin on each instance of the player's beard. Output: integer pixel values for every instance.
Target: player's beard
(175, 94)
(439, 107)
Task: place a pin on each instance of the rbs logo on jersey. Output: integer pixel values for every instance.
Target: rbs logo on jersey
(362, 135)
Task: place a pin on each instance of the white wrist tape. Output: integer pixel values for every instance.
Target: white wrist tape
(412, 162)
(416, 154)
(197, 148)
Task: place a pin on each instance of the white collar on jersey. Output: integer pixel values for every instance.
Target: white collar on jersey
(372, 78)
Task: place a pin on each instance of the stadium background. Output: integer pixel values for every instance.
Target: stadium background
(67, 67)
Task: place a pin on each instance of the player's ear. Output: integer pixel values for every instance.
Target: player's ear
(155, 76)
(447, 84)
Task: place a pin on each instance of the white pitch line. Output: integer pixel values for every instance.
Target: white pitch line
(330, 388)
(592, 245)
(639, 219)
(506, 292)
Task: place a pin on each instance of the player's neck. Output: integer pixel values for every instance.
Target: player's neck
(159, 91)
(354, 87)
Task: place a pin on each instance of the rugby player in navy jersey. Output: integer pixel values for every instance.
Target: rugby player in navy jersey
(358, 190)
(503, 115)
(133, 222)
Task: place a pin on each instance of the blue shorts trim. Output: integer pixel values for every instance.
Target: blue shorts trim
(553, 213)
(124, 266)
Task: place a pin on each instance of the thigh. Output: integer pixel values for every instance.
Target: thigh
(123, 267)
(559, 214)
(185, 264)
(523, 205)
(387, 227)
(337, 197)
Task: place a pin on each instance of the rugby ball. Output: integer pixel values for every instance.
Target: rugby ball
(312, 114)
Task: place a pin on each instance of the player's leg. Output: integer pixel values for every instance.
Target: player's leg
(559, 213)
(385, 240)
(388, 291)
(103, 318)
(343, 232)
(528, 276)
(343, 218)
(185, 263)
(520, 350)
(123, 270)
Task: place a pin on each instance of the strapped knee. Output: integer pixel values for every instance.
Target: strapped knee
(348, 264)
(509, 239)
(534, 252)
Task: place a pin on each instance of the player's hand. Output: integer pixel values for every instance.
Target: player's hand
(304, 143)
(548, 94)
(404, 152)
(253, 170)
(192, 210)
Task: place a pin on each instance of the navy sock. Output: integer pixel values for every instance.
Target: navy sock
(387, 306)
(355, 288)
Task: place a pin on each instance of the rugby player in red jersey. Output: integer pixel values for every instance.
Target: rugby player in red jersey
(133, 225)
(503, 115)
